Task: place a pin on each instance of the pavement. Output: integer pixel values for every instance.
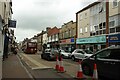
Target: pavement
(12, 68)
(15, 68)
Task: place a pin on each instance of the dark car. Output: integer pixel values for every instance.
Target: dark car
(50, 54)
(107, 61)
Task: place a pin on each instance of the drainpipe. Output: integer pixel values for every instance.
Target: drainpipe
(76, 46)
(107, 22)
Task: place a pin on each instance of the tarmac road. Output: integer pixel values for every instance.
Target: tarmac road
(40, 68)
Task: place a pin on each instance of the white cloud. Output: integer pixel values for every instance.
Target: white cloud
(35, 15)
(22, 34)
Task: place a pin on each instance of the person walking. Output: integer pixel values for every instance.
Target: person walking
(15, 50)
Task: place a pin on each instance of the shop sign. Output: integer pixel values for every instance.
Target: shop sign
(67, 40)
(114, 38)
(12, 23)
(72, 39)
(96, 39)
(62, 41)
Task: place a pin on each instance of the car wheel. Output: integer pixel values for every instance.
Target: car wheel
(42, 56)
(48, 58)
(73, 58)
(62, 56)
(87, 70)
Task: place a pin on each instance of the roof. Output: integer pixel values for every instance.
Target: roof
(53, 31)
(90, 5)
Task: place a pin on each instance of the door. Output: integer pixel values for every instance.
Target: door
(114, 64)
(80, 55)
(102, 61)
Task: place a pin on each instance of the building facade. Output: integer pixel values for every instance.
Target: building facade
(5, 15)
(97, 20)
(114, 23)
(67, 36)
(39, 41)
(53, 37)
(45, 40)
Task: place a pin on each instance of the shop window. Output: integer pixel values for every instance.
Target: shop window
(118, 29)
(112, 30)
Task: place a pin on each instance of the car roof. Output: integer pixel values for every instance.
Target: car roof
(78, 49)
(114, 47)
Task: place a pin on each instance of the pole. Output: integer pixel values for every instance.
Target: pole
(107, 22)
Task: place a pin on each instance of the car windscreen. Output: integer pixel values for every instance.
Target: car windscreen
(62, 51)
(88, 51)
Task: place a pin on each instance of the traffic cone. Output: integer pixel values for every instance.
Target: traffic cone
(95, 74)
(61, 69)
(57, 63)
(79, 73)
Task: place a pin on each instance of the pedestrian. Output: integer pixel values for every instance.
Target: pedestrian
(15, 50)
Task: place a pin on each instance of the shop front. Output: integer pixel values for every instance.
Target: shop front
(92, 43)
(114, 39)
(67, 44)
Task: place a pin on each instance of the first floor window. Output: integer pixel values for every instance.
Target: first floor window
(80, 30)
(118, 29)
(112, 30)
(86, 29)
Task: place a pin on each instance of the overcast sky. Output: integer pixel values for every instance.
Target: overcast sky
(33, 16)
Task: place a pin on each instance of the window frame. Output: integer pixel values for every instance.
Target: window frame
(114, 1)
(103, 57)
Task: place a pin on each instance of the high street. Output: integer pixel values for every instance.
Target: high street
(35, 62)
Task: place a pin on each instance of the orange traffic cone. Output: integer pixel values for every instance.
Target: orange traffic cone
(79, 73)
(61, 69)
(57, 63)
(95, 74)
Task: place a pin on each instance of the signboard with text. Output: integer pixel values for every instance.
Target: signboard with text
(96, 39)
(114, 38)
(12, 23)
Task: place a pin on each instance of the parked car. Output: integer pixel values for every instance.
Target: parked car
(64, 54)
(107, 61)
(50, 54)
(80, 54)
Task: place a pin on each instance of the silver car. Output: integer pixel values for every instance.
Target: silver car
(64, 54)
(80, 54)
